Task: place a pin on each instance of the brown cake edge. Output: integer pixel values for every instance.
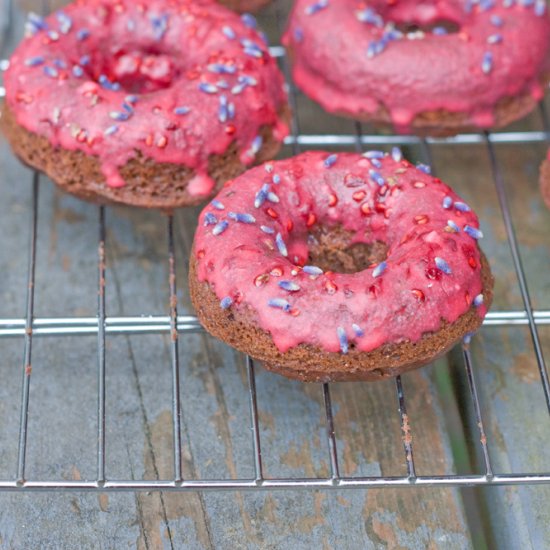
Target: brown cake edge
(149, 184)
(237, 327)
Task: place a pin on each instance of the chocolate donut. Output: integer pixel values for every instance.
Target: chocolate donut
(432, 67)
(339, 267)
(153, 105)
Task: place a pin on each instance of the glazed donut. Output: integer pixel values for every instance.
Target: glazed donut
(432, 67)
(339, 267)
(153, 105)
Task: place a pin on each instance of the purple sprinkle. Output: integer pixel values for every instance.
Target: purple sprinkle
(447, 203)
(312, 270)
(494, 39)
(374, 155)
(241, 218)
(210, 219)
(376, 48)
(208, 88)
(35, 23)
(397, 154)
(111, 130)
(223, 84)
(376, 163)
(119, 115)
(279, 303)
(453, 226)
(128, 108)
(467, 338)
(358, 330)
(478, 300)
(289, 286)
(439, 31)
(132, 99)
(377, 177)
(226, 303)
(231, 110)
(368, 15)
(256, 145)
(82, 34)
(343, 339)
(540, 8)
(254, 50)
(217, 205)
(222, 110)
(276, 179)
(229, 32)
(180, 111)
(105, 83)
(424, 168)
(261, 196)
(60, 63)
(497, 21)
(462, 206)
(34, 61)
(220, 68)
(316, 7)
(238, 88)
(331, 160)
(443, 265)
(50, 71)
(272, 197)
(249, 20)
(487, 63)
(267, 230)
(220, 228)
(78, 71)
(298, 34)
(53, 35)
(281, 245)
(379, 269)
(160, 26)
(473, 232)
(84, 60)
(65, 22)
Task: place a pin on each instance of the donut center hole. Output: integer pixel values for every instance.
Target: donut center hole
(138, 72)
(439, 26)
(331, 249)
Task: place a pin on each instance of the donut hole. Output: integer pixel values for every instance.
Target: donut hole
(332, 249)
(439, 26)
(136, 71)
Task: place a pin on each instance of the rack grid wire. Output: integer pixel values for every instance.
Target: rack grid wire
(31, 327)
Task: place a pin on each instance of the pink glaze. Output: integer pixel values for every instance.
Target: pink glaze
(350, 57)
(381, 198)
(156, 57)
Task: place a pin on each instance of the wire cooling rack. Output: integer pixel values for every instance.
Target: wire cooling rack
(30, 327)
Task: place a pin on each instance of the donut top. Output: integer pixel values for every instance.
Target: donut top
(251, 247)
(177, 80)
(413, 57)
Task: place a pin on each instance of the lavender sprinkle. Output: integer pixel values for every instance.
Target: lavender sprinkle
(447, 203)
(312, 270)
(281, 246)
(267, 230)
(330, 161)
(279, 303)
(379, 269)
(358, 330)
(226, 303)
(217, 205)
(473, 232)
(289, 286)
(478, 300)
(210, 219)
(397, 154)
(34, 61)
(442, 265)
(180, 111)
(462, 206)
(343, 339)
(220, 228)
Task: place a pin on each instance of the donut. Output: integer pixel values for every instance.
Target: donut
(335, 267)
(153, 105)
(430, 67)
(545, 180)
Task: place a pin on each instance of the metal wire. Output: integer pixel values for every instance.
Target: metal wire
(175, 324)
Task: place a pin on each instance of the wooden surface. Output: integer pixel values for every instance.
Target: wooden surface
(215, 411)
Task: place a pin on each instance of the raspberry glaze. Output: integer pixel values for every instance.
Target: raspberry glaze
(177, 80)
(251, 246)
(358, 58)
